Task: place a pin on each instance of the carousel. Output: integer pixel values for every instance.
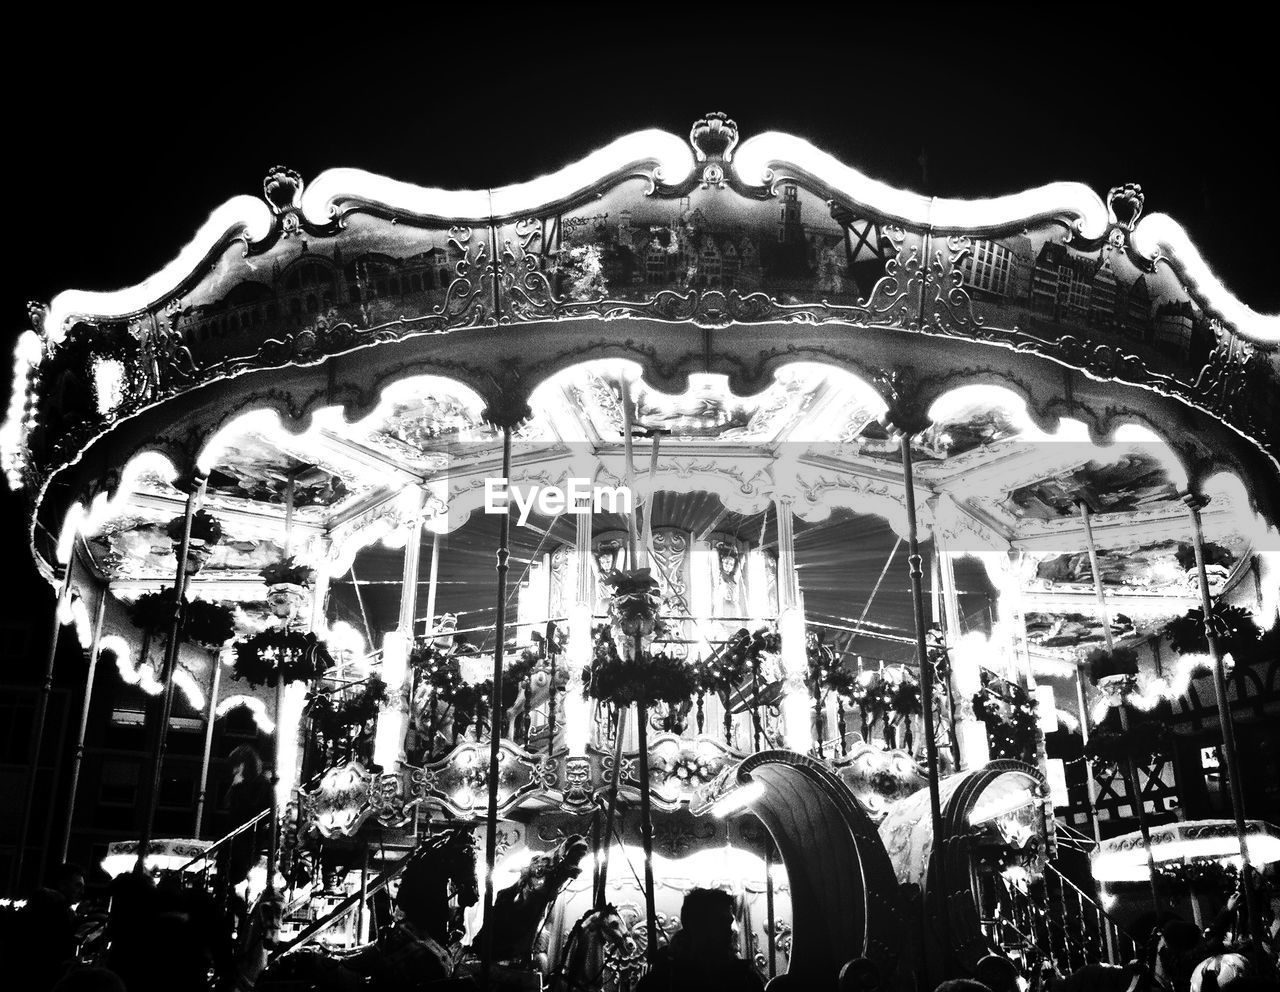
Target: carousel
(704, 514)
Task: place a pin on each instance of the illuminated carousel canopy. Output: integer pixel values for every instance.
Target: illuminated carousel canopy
(336, 367)
(723, 257)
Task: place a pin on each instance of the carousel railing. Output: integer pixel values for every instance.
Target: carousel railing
(1062, 921)
(347, 905)
(206, 857)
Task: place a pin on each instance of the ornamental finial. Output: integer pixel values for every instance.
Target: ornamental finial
(282, 188)
(1124, 205)
(714, 138)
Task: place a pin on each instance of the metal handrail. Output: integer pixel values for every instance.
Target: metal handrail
(1085, 895)
(204, 855)
(314, 929)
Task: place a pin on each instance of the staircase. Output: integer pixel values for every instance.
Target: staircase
(1054, 916)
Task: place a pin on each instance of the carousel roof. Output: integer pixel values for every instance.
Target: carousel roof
(347, 346)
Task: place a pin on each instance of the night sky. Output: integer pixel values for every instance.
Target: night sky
(121, 142)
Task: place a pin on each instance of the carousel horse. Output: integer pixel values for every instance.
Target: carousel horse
(421, 949)
(582, 961)
(520, 909)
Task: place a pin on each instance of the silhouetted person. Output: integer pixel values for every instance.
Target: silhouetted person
(249, 795)
(997, 973)
(130, 928)
(702, 956)
(90, 980)
(859, 975)
(43, 944)
(962, 985)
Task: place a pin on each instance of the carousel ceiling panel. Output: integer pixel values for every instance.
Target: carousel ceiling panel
(256, 468)
(1165, 566)
(138, 547)
(978, 426)
(709, 409)
(1136, 481)
(416, 427)
(1064, 631)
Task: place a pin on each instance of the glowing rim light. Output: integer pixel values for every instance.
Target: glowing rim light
(756, 157)
(739, 798)
(249, 219)
(254, 705)
(1131, 865)
(242, 218)
(144, 675)
(337, 191)
(1160, 237)
(1158, 690)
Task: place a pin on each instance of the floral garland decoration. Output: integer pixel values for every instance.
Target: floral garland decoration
(442, 671)
(209, 625)
(1234, 630)
(1010, 717)
(724, 672)
(280, 656)
(888, 695)
(334, 716)
(1104, 664)
(633, 609)
(658, 678)
(1148, 737)
(826, 672)
(287, 571)
(204, 528)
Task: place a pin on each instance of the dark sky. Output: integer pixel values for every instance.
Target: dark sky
(122, 141)
(121, 144)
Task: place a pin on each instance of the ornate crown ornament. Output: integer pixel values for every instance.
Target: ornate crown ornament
(282, 189)
(1124, 208)
(713, 139)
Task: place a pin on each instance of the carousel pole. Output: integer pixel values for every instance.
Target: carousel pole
(273, 833)
(1195, 502)
(433, 583)
(37, 730)
(1131, 768)
(620, 723)
(642, 741)
(210, 717)
(495, 718)
(915, 563)
(170, 664)
(1091, 784)
(78, 758)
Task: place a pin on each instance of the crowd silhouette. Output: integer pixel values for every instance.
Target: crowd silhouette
(158, 937)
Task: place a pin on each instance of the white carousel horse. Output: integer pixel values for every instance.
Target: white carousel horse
(582, 961)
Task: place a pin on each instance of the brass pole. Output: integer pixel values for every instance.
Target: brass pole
(37, 730)
(915, 562)
(78, 758)
(1194, 504)
(1131, 768)
(170, 664)
(210, 717)
(495, 717)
